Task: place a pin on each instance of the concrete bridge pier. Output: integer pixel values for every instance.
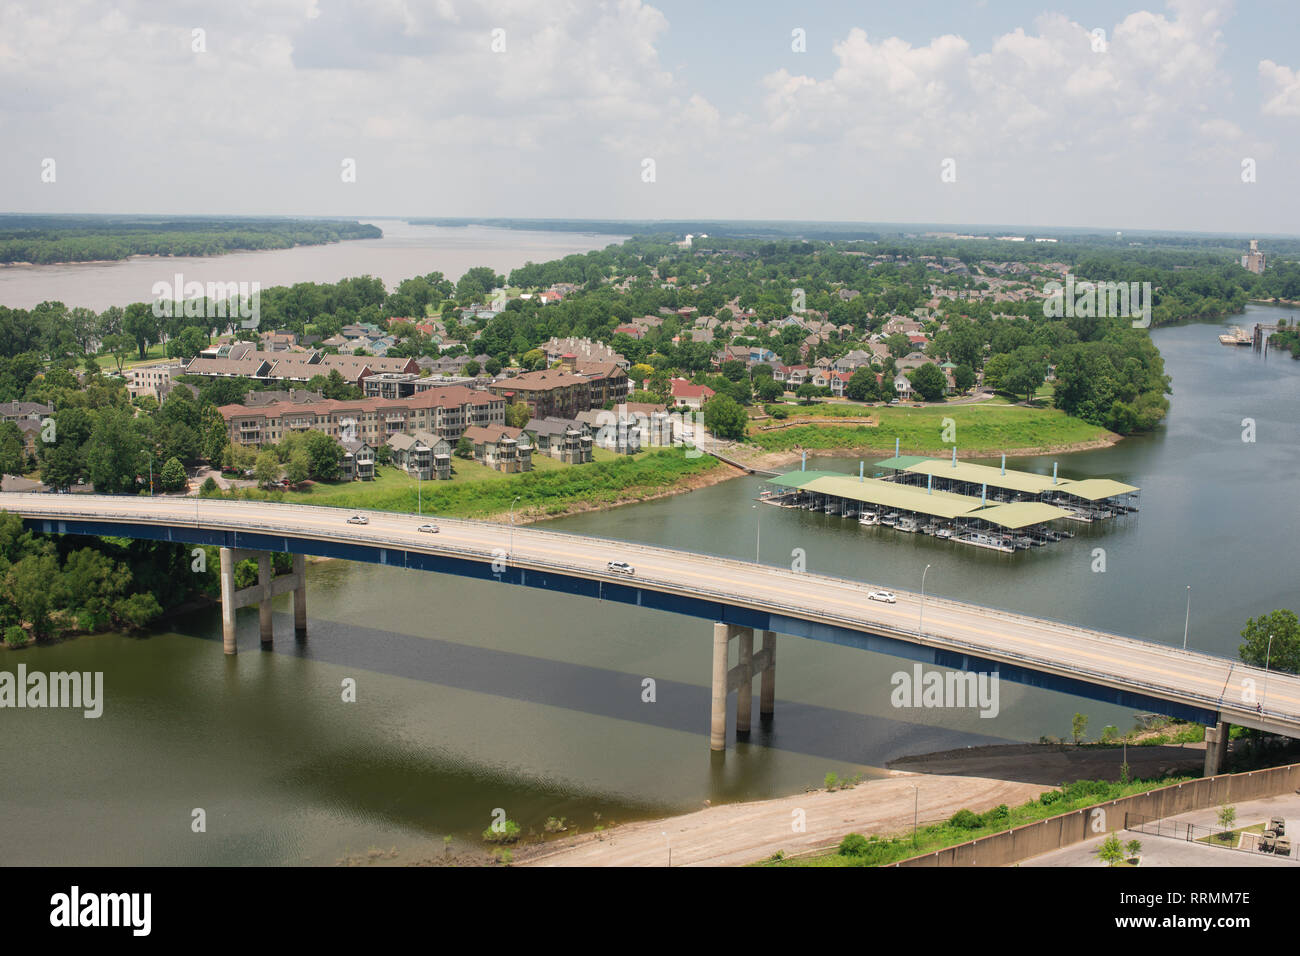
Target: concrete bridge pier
(267, 587)
(740, 679)
(1216, 748)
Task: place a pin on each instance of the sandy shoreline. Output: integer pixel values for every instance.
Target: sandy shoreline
(737, 834)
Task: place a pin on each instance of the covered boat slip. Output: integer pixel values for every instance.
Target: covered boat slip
(945, 514)
(1087, 499)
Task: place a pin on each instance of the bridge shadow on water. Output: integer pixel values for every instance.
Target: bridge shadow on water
(797, 727)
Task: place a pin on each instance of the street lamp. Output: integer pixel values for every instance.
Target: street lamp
(916, 804)
(1188, 619)
(1267, 654)
(512, 526)
(921, 627)
(758, 535)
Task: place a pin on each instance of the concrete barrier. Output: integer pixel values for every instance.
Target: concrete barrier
(1044, 836)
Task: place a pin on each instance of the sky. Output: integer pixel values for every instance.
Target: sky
(1057, 113)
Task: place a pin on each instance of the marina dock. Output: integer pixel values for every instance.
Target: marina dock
(997, 509)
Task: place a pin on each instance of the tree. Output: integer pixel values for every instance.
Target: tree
(267, 469)
(298, 468)
(929, 382)
(1026, 371)
(141, 325)
(12, 453)
(898, 344)
(535, 359)
(1078, 726)
(471, 368)
(1227, 817)
(518, 414)
(1111, 851)
(114, 453)
(324, 456)
(807, 392)
(464, 448)
(963, 377)
(734, 369)
(32, 585)
(61, 465)
(724, 417)
(1284, 629)
(492, 367)
(173, 475)
(862, 385)
(213, 436)
(769, 390)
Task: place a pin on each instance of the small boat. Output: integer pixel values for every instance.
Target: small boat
(943, 533)
(907, 524)
(890, 519)
(869, 517)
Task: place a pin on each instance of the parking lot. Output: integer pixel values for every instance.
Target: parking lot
(1168, 851)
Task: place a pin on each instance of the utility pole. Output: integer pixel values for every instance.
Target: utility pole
(1188, 619)
(921, 626)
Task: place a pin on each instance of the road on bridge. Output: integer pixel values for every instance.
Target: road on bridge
(1201, 680)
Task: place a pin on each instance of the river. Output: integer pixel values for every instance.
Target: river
(472, 696)
(405, 251)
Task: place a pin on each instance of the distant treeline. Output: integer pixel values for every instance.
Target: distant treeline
(49, 239)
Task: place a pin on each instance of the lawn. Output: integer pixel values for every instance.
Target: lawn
(975, 428)
(476, 491)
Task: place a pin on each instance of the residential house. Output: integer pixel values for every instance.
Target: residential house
(500, 447)
(686, 395)
(565, 440)
(358, 460)
(422, 455)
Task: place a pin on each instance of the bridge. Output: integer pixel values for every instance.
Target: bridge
(739, 597)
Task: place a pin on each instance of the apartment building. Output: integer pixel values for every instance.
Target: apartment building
(155, 380)
(445, 412)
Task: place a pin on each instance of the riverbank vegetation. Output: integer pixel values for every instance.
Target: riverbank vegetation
(966, 825)
(921, 431)
(44, 240)
(545, 492)
(52, 585)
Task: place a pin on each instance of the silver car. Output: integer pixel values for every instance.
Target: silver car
(885, 597)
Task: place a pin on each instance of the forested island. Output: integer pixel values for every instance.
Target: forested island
(44, 240)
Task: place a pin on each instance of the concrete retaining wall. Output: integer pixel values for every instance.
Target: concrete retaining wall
(1033, 839)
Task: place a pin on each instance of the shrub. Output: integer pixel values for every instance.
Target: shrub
(831, 780)
(209, 487)
(508, 832)
(1049, 797)
(855, 844)
(15, 636)
(997, 816)
(965, 820)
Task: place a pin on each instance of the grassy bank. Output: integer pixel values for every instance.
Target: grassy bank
(965, 825)
(478, 492)
(990, 428)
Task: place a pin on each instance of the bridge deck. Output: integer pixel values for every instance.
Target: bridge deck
(1029, 650)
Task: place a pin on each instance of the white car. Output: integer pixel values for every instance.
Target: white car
(886, 597)
(358, 519)
(428, 528)
(621, 567)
